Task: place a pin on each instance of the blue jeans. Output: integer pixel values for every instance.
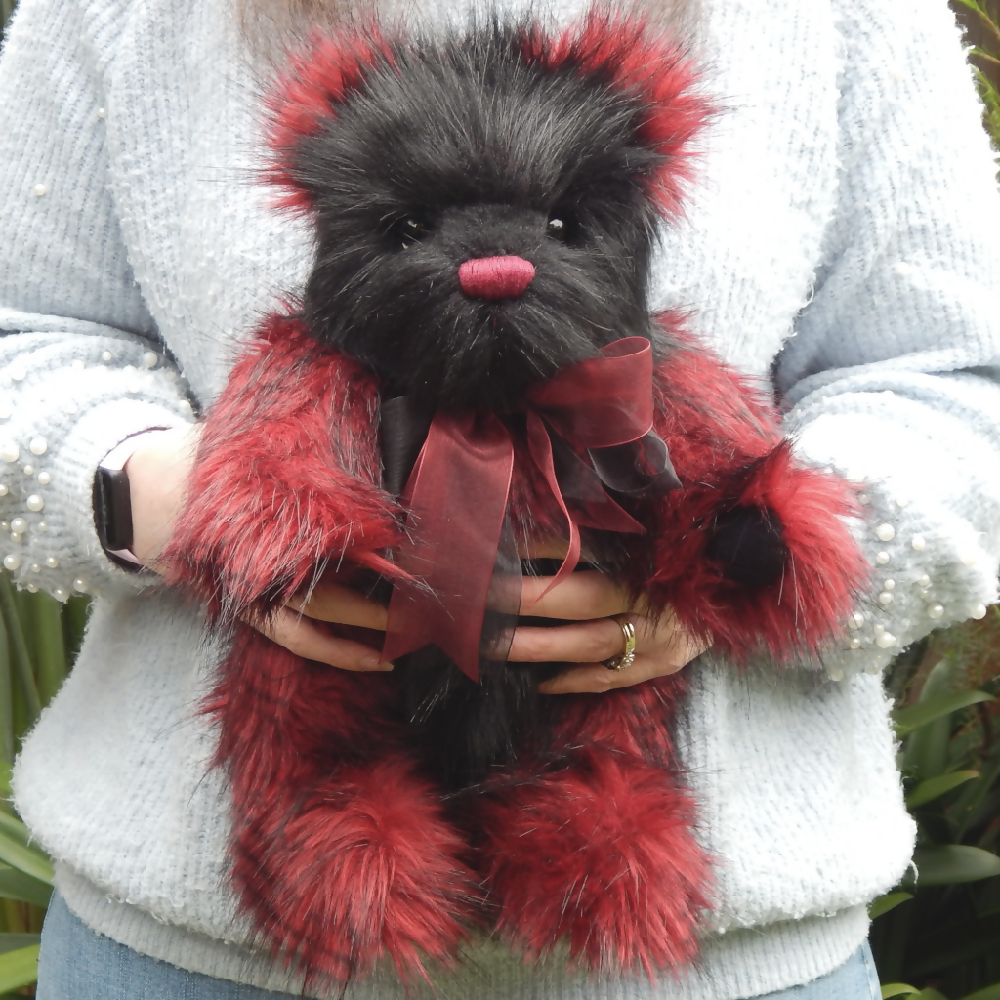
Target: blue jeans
(77, 964)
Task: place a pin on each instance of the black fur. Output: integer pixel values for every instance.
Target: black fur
(465, 150)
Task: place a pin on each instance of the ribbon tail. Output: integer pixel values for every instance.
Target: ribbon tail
(457, 499)
(540, 446)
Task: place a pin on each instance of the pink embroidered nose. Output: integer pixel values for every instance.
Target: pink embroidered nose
(495, 277)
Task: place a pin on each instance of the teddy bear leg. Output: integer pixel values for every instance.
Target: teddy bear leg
(341, 854)
(597, 848)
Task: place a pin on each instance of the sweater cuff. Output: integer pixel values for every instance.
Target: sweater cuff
(60, 551)
(933, 563)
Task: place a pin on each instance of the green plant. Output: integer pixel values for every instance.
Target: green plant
(980, 20)
(940, 928)
(39, 638)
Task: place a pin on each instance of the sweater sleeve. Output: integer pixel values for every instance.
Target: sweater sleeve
(81, 365)
(892, 376)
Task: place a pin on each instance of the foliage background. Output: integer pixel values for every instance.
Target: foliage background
(936, 936)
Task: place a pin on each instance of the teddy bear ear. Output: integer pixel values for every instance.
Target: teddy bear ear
(650, 64)
(307, 93)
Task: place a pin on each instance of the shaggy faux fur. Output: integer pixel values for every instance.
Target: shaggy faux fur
(423, 163)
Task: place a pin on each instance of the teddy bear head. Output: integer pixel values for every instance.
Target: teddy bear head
(485, 203)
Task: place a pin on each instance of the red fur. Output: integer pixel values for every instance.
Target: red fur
(727, 451)
(639, 59)
(635, 58)
(340, 853)
(596, 848)
(306, 95)
(284, 480)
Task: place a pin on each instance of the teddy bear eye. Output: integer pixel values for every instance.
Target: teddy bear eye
(562, 227)
(411, 230)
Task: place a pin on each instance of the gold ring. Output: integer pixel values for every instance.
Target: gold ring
(624, 661)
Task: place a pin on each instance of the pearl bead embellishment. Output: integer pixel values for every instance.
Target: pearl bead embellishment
(37, 446)
(42, 526)
(35, 568)
(107, 356)
(856, 620)
(19, 525)
(61, 594)
(101, 113)
(935, 611)
(835, 674)
(864, 499)
(885, 640)
(923, 580)
(854, 644)
(32, 588)
(17, 373)
(3, 490)
(918, 543)
(38, 190)
(29, 470)
(15, 538)
(882, 558)
(885, 532)
(80, 585)
(10, 452)
(149, 360)
(52, 562)
(978, 611)
(885, 598)
(44, 478)
(12, 562)
(34, 502)
(889, 585)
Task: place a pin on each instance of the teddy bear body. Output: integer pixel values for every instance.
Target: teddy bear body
(485, 210)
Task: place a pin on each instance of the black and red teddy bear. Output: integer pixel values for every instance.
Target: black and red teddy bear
(473, 367)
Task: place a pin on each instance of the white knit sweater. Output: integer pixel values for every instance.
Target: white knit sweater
(845, 223)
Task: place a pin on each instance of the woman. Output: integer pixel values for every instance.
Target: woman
(841, 240)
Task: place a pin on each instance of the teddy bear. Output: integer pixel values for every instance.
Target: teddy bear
(473, 365)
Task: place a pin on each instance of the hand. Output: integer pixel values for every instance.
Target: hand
(588, 599)
(158, 471)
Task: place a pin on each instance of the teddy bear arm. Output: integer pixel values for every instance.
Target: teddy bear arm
(285, 478)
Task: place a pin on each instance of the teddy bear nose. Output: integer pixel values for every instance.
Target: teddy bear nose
(495, 277)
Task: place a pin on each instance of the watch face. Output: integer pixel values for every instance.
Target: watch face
(113, 509)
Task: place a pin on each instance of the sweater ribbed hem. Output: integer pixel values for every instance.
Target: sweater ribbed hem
(740, 964)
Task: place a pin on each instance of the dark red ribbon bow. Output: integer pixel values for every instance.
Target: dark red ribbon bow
(456, 496)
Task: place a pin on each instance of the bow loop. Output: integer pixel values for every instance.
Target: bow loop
(589, 429)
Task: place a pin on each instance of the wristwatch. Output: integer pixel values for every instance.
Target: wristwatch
(113, 501)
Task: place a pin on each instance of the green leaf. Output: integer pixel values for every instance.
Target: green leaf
(15, 884)
(990, 993)
(26, 859)
(897, 989)
(11, 942)
(19, 650)
(883, 904)
(931, 994)
(924, 712)
(953, 863)
(933, 788)
(50, 652)
(18, 968)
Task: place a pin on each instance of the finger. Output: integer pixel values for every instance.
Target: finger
(579, 597)
(578, 643)
(331, 602)
(299, 635)
(660, 661)
(595, 678)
